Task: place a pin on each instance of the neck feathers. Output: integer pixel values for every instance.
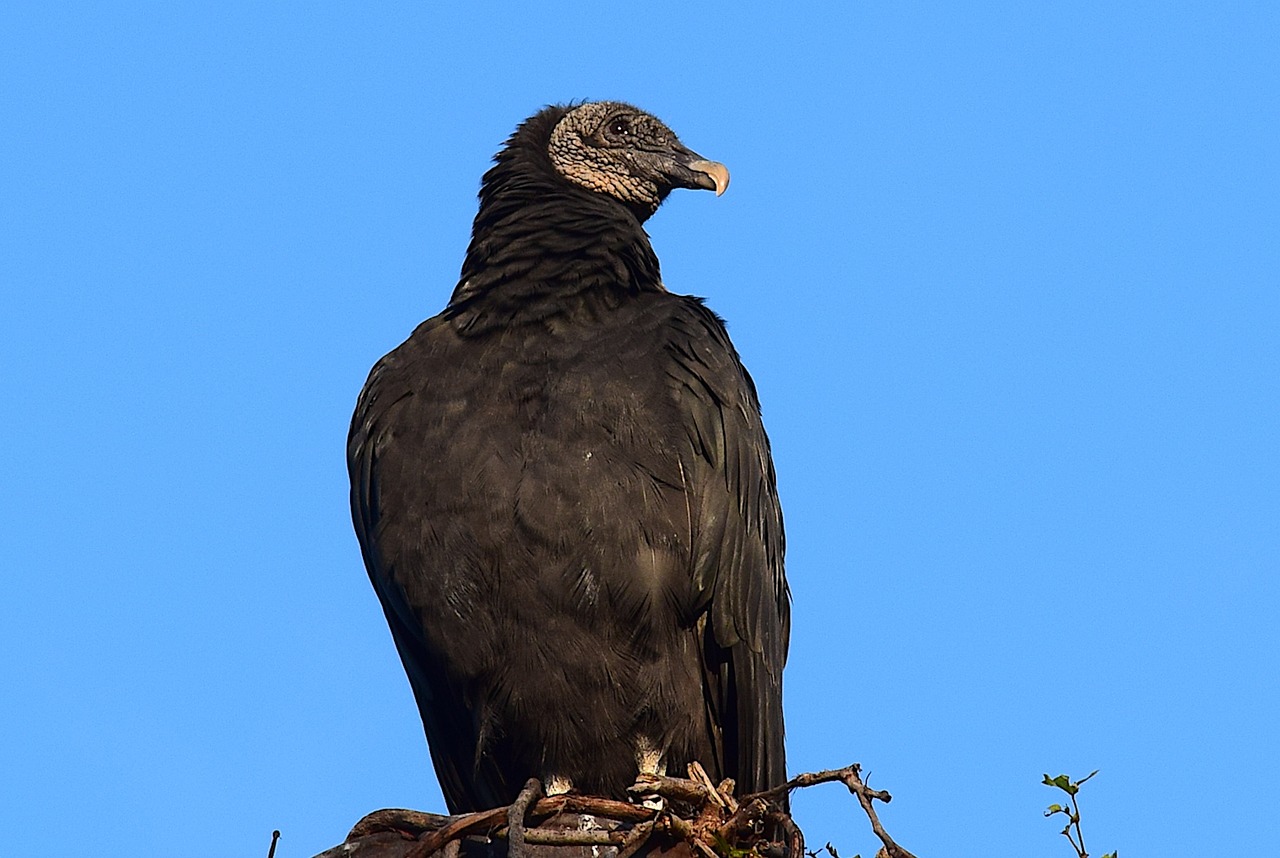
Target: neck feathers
(541, 245)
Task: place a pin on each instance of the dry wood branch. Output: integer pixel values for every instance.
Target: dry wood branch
(697, 812)
(699, 775)
(850, 777)
(829, 776)
(412, 822)
(747, 817)
(865, 794)
(605, 807)
(638, 837)
(795, 840)
(430, 841)
(677, 789)
(725, 788)
(575, 838)
(515, 817)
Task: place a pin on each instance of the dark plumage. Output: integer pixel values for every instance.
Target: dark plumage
(564, 492)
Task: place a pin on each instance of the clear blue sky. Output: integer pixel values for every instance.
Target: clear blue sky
(1006, 276)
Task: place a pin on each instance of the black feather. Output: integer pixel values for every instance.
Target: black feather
(565, 498)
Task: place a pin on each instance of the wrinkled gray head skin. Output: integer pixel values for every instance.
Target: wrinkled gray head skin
(613, 148)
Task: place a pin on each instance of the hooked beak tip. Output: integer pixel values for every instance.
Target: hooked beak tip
(714, 170)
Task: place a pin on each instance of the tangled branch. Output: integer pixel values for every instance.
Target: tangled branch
(703, 815)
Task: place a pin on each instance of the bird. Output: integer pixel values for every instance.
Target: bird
(564, 493)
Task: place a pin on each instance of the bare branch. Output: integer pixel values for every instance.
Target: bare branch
(430, 841)
(698, 812)
(515, 817)
(678, 789)
(638, 837)
(571, 837)
(865, 794)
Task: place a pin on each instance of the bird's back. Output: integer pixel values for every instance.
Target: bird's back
(534, 526)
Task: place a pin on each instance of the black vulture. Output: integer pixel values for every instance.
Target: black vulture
(564, 493)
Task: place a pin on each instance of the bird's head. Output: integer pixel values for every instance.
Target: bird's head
(615, 149)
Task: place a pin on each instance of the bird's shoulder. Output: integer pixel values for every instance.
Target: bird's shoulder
(665, 353)
(649, 328)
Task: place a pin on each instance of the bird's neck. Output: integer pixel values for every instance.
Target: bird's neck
(539, 249)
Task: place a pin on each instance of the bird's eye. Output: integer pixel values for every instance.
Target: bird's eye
(620, 126)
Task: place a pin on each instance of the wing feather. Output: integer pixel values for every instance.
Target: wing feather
(737, 547)
(452, 734)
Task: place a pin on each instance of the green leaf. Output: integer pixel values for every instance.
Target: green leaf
(1062, 782)
(1055, 808)
(722, 847)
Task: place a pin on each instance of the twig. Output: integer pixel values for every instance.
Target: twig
(725, 788)
(699, 775)
(814, 778)
(430, 841)
(706, 850)
(413, 822)
(553, 837)
(677, 789)
(706, 817)
(865, 794)
(679, 827)
(744, 819)
(608, 807)
(1075, 819)
(1072, 789)
(515, 817)
(275, 835)
(795, 840)
(849, 777)
(638, 837)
